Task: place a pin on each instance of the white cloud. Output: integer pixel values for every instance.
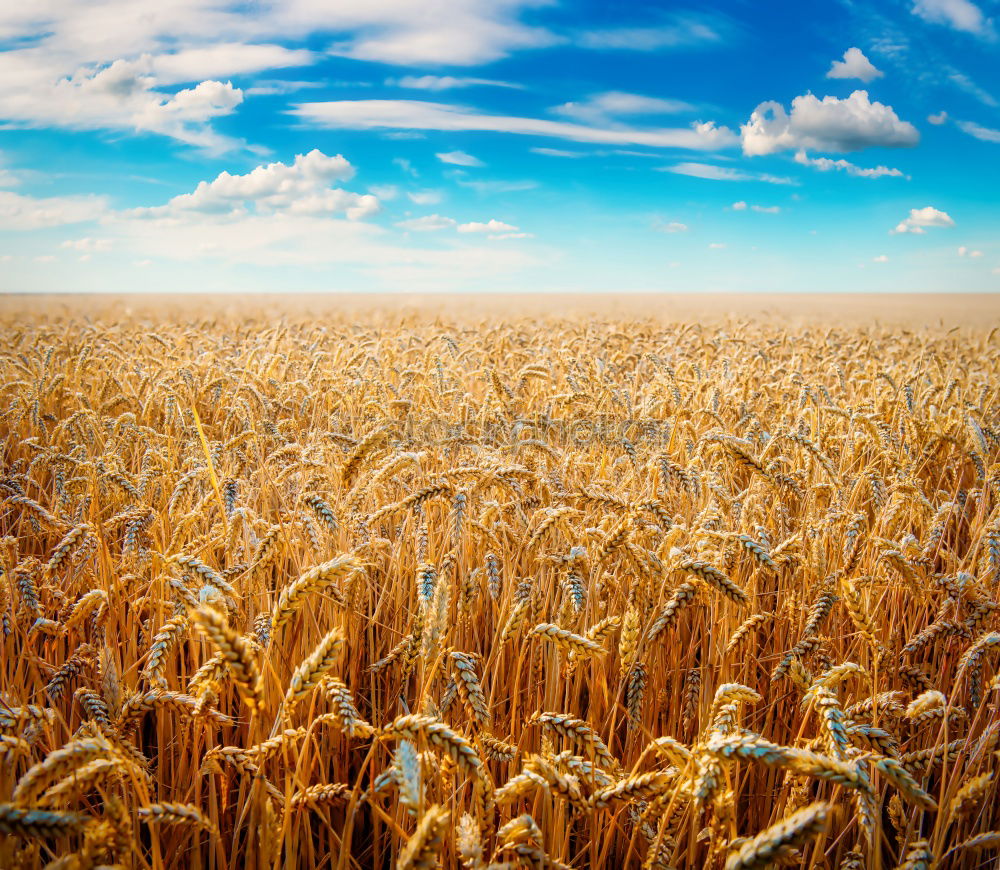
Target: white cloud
(986, 134)
(278, 87)
(391, 31)
(459, 32)
(355, 254)
(88, 245)
(487, 188)
(967, 252)
(422, 115)
(491, 226)
(717, 246)
(825, 164)
(723, 173)
(558, 152)
(384, 192)
(684, 30)
(959, 14)
(44, 258)
(602, 109)
(881, 258)
(18, 212)
(970, 87)
(670, 227)
(920, 218)
(425, 197)
(513, 236)
(109, 64)
(446, 83)
(428, 224)
(224, 59)
(760, 209)
(119, 96)
(459, 158)
(300, 188)
(854, 66)
(829, 124)
(939, 118)
(406, 166)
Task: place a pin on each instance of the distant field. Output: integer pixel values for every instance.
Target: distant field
(903, 309)
(351, 582)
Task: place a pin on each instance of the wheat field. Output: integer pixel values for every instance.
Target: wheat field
(366, 590)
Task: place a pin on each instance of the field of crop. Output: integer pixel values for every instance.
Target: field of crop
(365, 591)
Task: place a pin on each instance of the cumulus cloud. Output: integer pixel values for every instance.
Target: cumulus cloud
(670, 227)
(963, 251)
(985, 134)
(921, 218)
(491, 226)
(881, 258)
(459, 158)
(716, 246)
(958, 14)
(122, 95)
(938, 119)
(739, 206)
(830, 124)
(854, 66)
(603, 108)
(428, 224)
(302, 188)
(825, 164)
(723, 173)
(423, 115)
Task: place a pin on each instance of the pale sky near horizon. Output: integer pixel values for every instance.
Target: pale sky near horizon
(490, 145)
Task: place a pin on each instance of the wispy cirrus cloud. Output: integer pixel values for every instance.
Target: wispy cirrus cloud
(825, 164)
(610, 107)
(712, 172)
(423, 115)
(446, 83)
(681, 30)
(459, 158)
(978, 131)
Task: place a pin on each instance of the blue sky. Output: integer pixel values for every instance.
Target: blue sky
(493, 145)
